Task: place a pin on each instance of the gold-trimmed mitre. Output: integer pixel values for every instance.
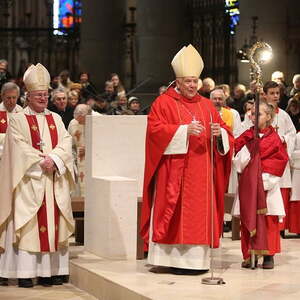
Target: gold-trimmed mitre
(187, 62)
(36, 78)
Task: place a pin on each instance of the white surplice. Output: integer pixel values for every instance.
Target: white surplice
(271, 184)
(295, 166)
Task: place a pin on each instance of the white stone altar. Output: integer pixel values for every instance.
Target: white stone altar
(115, 153)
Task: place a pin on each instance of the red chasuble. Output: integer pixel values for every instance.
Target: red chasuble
(3, 121)
(42, 212)
(180, 184)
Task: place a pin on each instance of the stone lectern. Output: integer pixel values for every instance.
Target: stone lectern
(115, 153)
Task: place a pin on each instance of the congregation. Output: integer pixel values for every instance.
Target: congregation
(74, 99)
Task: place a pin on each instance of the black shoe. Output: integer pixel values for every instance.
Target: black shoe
(3, 281)
(282, 233)
(65, 278)
(57, 280)
(180, 271)
(268, 262)
(25, 282)
(227, 226)
(44, 281)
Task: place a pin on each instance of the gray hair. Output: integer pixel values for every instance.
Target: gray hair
(56, 92)
(82, 110)
(217, 89)
(296, 78)
(9, 86)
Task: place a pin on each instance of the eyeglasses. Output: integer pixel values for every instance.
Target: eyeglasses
(39, 96)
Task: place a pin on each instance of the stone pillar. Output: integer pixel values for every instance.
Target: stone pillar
(162, 29)
(273, 28)
(102, 39)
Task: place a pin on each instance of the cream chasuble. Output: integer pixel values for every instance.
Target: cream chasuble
(25, 188)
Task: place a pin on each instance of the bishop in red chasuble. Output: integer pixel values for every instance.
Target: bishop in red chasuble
(176, 211)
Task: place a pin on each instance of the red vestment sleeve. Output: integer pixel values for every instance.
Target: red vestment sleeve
(158, 136)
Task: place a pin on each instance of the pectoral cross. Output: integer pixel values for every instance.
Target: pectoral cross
(41, 144)
(194, 121)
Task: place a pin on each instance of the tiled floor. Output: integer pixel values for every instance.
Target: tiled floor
(65, 292)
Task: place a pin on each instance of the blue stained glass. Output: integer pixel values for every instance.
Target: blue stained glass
(66, 14)
(232, 8)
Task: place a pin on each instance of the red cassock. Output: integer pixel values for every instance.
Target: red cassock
(272, 159)
(180, 184)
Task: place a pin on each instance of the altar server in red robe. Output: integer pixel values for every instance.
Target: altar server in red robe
(273, 161)
(176, 215)
(287, 132)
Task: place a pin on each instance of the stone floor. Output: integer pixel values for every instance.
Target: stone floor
(131, 280)
(65, 292)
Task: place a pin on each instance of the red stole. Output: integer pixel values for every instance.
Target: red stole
(181, 214)
(272, 151)
(42, 212)
(3, 121)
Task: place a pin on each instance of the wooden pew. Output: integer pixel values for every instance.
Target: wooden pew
(78, 214)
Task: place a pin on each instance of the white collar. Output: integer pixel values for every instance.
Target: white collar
(30, 111)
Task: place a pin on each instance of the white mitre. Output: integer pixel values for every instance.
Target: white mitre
(187, 62)
(36, 78)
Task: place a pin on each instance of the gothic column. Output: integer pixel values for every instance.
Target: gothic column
(162, 29)
(102, 39)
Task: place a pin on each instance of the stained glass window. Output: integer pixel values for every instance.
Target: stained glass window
(232, 8)
(66, 15)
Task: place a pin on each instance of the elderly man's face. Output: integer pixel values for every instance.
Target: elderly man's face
(218, 99)
(188, 86)
(81, 119)
(60, 101)
(10, 98)
(297, 84)
(38, 100)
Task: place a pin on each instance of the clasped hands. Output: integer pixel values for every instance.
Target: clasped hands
(47, 164)
(196, 128)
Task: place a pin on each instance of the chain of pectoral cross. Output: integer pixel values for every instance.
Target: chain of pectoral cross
(41, 143)
(190, 113)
